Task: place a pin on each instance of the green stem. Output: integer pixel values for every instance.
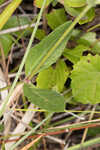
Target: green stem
(60, 40)
(92, 28)
(85, 144)
(3, 107)
(30, 132)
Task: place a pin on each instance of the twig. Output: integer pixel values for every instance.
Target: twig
(19, 28)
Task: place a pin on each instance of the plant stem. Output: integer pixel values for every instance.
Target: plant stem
(30, 132)
(60, 40)
(3, 106)
(85, 144)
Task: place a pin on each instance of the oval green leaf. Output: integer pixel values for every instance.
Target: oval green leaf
(45, 99)
(86, 80)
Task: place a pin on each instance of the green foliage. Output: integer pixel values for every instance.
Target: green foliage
(92, 3)
(56, 18)
(8, 11)
(75, 54)
(75, 3)
(86, 80)
(53, 78)
(40, 34)
(1, 127)
(45, 99)
(38, 3)
(92, 132)
(38, 52)
(88, 17)
(76, 11)
(6, 42)
(1, 1)
(89, 40)
(15, 21)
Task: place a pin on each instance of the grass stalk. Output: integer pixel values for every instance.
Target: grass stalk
(3, 106)
(85, 144)
(30, 132)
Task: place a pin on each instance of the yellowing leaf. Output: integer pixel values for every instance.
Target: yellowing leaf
(5, 15)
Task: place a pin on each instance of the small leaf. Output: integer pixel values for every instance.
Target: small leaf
(89, 39)
(56, 18)
(53, 78)
(75, 54)
(6, 41)
(38, 3)
(86, 80)
(75, 3)
(45, 99)
(61, 75)
(44, 79)
(88, 17)
(76, 11)
(40, 34)
(38, 52)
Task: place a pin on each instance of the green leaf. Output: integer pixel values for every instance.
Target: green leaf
(75, 34)
(75, 54)
(92, 132)
(88, 17)
(1, 127)
(15, 21)
(1, 1)
(89, 39)
(6, 41)
(86, 80)
(38, 52)
(40, 34)
(53, 78)
(92, 3)
(75, 3)
(56, 18)
(45, 79)
(61, 75)
(38, 3)
(45, 99)
(76, 11)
